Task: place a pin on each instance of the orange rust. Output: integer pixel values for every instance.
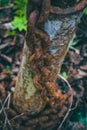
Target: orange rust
(45, 71)
(36, 83)
(42, 63)
(40, 47)
(32, 57)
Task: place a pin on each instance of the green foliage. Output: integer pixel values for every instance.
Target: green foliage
(7, 69)
(85, 11)
(12, 33)
(19, 21)
(79, 117)
(64, 74)
(20, 6)
(73, 42)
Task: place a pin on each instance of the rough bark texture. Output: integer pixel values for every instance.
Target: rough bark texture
(39, 89)
(26, 97)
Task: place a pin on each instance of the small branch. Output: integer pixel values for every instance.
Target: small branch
(57, 10)
(8, 59)
(4, 46)
(3, 105)
(71, 101)
(3, 110)
(17, 117)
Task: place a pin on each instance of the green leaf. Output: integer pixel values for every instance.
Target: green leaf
(85, 11)
(64, 74)
(12, 33)
(19, 23)
(20, 12)
(7, 69)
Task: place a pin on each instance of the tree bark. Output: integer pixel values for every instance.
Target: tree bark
(38, 88)
(26, 97)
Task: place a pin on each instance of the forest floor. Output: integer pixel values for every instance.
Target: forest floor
(74, 69)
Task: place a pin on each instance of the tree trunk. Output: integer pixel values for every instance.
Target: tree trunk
(26, 97)
(38, 87)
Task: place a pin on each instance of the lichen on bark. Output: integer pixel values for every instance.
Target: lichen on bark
(26, 98)
(37, 89)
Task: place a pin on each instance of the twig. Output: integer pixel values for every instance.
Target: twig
(3, 110)
(9, 100)
(71, 101)
(17, 117)
(4, 46)
(6, 58)
(6, 120)
(3, 105)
